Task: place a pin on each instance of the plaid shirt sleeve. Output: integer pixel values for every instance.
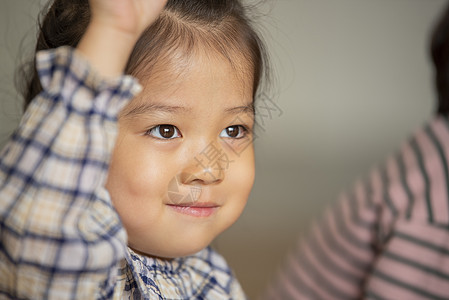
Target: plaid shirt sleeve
(60, 236)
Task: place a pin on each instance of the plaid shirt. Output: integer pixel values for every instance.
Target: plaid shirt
(60, 236)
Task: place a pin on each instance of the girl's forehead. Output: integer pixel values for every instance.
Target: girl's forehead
(196, 73)
(199, 85)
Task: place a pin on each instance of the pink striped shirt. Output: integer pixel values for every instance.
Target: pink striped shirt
(387, 237)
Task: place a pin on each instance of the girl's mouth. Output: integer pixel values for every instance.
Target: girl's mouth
(197, 209)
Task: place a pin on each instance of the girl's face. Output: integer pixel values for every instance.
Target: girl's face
(183, 164)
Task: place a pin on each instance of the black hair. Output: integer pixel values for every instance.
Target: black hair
(221, 25)
(439, 51)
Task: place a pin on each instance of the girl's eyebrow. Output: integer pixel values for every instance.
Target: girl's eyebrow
(151, 108)
(247, 109)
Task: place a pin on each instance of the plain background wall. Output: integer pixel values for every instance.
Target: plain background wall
(353, 80)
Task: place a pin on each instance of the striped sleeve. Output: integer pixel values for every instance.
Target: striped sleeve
(386, 238)
(60, 237)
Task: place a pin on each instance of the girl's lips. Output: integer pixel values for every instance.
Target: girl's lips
(195, 209)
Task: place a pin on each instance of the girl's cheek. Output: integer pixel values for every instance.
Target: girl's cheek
(242, 170)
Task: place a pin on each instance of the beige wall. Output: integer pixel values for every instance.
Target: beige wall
(353, 80)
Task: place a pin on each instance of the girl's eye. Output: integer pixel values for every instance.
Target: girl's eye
(164, 132)
(234, 132)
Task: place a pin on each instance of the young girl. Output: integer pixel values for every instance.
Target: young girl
(114, 189)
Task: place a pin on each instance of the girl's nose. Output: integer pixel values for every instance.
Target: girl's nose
(207, 167)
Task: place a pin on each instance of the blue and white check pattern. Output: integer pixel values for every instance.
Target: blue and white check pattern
(204, 275)
(60, 236)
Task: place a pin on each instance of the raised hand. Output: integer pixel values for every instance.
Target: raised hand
(114, 28)
(129, 16)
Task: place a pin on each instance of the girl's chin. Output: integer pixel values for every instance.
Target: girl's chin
(174, 252)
